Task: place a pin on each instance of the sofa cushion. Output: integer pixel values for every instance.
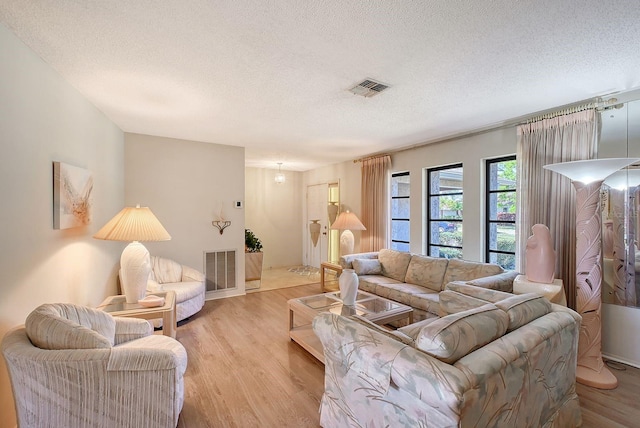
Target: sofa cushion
(394, 263)
(67, 326)
(427, 301)
(426, 271)
(485, 294)
(370, 282)
(367, 266)
(524, 308)
(502, 281)
(185, 290)
(454, 336)
(462, 270)
(400, 292)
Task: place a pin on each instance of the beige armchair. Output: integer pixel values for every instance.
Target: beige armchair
(187, 282)
(72, 366)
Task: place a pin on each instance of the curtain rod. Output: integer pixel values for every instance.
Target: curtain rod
(563, 112)
(370, 157)
(598, 104)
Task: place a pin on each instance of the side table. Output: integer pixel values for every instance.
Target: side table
(329, 266)
(554, 292)
(118, 307)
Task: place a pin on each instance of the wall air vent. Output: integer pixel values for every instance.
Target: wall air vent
(368, 88)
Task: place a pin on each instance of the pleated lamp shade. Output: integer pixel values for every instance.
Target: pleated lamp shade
(133, 224)
(348, 221)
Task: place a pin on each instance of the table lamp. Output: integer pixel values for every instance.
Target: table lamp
(347, 221)
(587, 177)
(134, 224)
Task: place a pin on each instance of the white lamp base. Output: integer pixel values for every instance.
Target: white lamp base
(135, 266)
(346, 242)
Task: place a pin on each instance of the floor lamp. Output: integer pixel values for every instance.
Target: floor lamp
(587, 177)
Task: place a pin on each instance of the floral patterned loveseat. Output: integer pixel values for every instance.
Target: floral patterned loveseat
(417, 280)
(495, 360)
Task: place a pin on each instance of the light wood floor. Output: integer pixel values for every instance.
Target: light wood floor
(283, 277)
(245, 372)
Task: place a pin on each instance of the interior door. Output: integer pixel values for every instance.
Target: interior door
(317, 201)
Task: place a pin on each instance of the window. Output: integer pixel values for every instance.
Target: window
(501, 212)
(400, 184)
(444, 219)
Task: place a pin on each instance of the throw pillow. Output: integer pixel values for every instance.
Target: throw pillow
(426, 271)
(394, 263)
(367, 266)
(524, 308)
(454, 336)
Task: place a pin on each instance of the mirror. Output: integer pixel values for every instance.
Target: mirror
(620, 137)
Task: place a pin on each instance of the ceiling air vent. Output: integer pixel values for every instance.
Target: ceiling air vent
(368, 88)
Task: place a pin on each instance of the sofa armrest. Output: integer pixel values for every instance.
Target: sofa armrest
(148, 354)
(190, 274)
(130, 329)
(500, 282)
(347, 261)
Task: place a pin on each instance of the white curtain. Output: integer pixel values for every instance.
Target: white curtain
(375, 203)
(549, 198)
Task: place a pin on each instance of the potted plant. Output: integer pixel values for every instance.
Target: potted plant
(252, 256)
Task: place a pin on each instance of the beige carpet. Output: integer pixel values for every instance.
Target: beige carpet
(284, 277)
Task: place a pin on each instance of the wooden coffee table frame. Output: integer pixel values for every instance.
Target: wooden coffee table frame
(303, 333)
(116, 306)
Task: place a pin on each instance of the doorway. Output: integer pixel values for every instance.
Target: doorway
(320, 200)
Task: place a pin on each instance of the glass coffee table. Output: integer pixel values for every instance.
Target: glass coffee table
(118, 307)
(374, 308)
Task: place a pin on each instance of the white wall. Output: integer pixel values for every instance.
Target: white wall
(186, 184)
(272, 212)
(43, 119)
(471, 152)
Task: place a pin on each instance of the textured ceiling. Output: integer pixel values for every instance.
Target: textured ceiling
(273, 76)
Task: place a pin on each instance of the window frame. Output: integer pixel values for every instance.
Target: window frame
(430, 195)
(487, 211)
(391, 218)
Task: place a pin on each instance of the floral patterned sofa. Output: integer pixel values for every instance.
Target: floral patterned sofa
(493, 360)
(417, 280)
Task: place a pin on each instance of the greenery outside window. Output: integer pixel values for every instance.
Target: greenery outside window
(400, 204)
(500, 228)
(445, 207)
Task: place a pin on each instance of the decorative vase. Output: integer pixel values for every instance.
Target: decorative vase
(332, 211)
(348, 282)
(314, 228)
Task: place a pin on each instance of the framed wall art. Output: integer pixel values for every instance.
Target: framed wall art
(72, 188)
